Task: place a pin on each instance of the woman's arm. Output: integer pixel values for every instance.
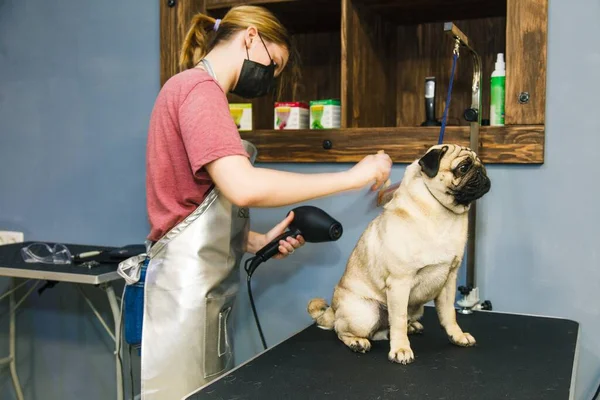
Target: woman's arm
(248, 186)
(255, 242)
(212, 141)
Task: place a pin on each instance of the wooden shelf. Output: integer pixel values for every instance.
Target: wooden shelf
(212, 4)
(374, 56)
(404, 11)
(499, 145)
(299, 16)
(427, 11)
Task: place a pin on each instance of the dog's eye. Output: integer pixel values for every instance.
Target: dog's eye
(464, 168)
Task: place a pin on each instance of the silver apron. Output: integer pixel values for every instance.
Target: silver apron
(192, 280)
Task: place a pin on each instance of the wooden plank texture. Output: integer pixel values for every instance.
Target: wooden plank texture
(212, 4)
(368, 68)
(298, 16)
(499, 145)
(526, 43)
(174, 23)
(423, 11)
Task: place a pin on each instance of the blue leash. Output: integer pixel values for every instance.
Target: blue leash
(445, 116)
(443, 128)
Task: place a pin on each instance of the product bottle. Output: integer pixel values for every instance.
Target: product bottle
(497, 93)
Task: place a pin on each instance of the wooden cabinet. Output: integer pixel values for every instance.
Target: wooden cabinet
(374, 56)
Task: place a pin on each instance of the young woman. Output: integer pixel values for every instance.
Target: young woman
(200, 183)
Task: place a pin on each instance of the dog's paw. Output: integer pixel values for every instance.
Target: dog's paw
(463, 339)
(415, 327)
(402, 355)
(359, 345)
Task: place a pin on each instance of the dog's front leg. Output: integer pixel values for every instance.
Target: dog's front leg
(398, 292)
(444, 304)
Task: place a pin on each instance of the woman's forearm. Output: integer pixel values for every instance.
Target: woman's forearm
(272, 188)
(248, 186)
(254, 243)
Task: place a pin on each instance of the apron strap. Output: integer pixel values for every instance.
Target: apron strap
(131, 269)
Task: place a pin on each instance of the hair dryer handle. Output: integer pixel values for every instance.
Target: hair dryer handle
(272, 248)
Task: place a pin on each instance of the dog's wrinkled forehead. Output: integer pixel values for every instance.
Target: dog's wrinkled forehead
(446, 157)
(456, 155)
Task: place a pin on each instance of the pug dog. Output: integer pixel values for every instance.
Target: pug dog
(407, 256)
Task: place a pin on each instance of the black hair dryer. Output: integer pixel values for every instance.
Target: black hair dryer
(315, 226)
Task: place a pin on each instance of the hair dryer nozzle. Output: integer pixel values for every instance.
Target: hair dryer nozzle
(315, 225)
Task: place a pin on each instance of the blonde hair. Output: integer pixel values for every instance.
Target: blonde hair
(203, 36)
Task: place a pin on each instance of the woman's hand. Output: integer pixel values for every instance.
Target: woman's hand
(257, 241)
(288, 246)
(375, 167)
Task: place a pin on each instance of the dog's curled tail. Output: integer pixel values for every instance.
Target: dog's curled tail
(320, 311)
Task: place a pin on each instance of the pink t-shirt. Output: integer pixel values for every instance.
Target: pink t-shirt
(190, 126)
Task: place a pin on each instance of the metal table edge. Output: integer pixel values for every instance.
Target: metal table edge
(59, 276)
(528, 315)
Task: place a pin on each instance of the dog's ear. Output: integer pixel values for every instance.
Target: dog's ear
(430, 162)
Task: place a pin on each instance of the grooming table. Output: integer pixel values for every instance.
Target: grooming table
(102, 275)
(516, 357)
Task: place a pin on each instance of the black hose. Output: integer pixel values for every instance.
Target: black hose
(595, 396)
(248, 282)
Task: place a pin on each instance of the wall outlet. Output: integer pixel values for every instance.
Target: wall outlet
(8, 237)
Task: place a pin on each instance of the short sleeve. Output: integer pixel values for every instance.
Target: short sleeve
(207, 128)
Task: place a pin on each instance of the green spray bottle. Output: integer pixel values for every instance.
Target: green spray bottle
(497, 92)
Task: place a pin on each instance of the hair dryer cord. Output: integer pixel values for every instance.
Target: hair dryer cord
(250, 266)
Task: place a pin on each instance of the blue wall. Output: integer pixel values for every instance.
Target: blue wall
(77, 84)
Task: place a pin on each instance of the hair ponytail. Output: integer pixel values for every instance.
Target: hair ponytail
(205, 33)
(197, 42)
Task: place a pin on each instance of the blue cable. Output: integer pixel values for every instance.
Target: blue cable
(441, 138)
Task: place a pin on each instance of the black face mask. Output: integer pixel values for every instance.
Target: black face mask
(256, 79)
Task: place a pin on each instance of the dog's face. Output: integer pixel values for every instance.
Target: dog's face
(454, 175)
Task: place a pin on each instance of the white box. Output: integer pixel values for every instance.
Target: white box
(242, 115)
(291, 115)
(325, 114)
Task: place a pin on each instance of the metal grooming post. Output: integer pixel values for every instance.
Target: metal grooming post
(473, 115)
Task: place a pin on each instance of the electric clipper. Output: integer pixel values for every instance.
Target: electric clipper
(430, 103)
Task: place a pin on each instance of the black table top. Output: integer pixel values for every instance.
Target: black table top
(516, 357)
(12, 264)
